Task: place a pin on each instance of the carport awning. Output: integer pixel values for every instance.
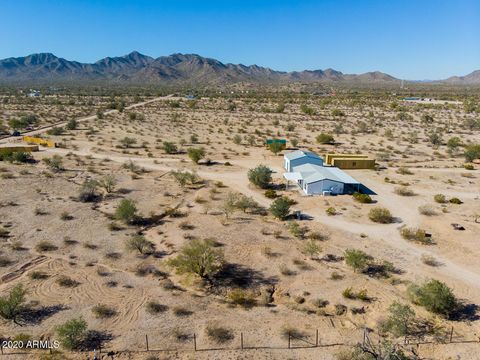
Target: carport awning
(292, 176)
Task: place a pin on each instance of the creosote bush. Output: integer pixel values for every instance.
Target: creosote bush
(435, 296)
(380, 215)
(261, 176)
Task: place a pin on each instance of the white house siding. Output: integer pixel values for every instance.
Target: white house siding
(318, 187)
(290, 164)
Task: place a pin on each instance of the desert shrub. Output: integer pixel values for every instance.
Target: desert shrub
(468, 166)
(102, 311)
(413, 234)
(270, 194)
(55, 131)
(472, 152)
(55, 163)
(404, 171)
(244, 298)
(185, 178)
(290, 331)
(440, 198)
(139, 243)
(38, 275)
(455, 201)
(429, 260)
(400, 320)
(66, 281)
(126, 211)
(331, 211)
(199, 257)
(155, 308)
(275, 147)
(297, 230)
(340, 309)
(350, 294)
(435, 296)
(307, 109)
(380, 215)
(108, 182)
(325, 139)
(45, 245)
(127, 142)
(72, 333)
(88, 191)
(312, 249)
(280, 208)
(72, 124)
(181, 311)
(170, 148)
(362, 198)
(16, 156)
(427, 210)
(219, 334)
(12, 305)
(356, 259)
(196, 154)
(261, 176)
(337, 112)
(404, 191)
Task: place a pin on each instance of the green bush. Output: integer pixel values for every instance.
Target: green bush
(170, 148)
(139, 243)
(12, 305)
(435, 296)
(126, 211)
(419, 235)
(270, 194)
(198, 257)
(261, 176)
(356, 259)
(72, 333)
(472, 152)
(325, 139)
(455, 201)
(196, 154)
(380, 215)
(280, 207)
(400, 320)
(362, 198)
(440, 198)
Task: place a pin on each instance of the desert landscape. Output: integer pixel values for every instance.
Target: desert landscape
(161, 221)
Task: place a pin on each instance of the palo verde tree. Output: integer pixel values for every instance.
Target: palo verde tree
(199, 257)
(72, 333)
(12, 305)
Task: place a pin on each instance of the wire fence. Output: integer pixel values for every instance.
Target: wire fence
(244, 341)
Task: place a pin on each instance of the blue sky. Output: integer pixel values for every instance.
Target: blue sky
(421, 39)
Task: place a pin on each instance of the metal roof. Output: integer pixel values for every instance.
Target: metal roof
(311, 173)
(301, 153)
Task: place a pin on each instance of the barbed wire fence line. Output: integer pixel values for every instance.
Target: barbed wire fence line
(244, 341)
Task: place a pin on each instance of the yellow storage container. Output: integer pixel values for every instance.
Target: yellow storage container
(329, 157)
(354, 163)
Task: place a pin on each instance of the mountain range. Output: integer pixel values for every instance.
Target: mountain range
(136, 68)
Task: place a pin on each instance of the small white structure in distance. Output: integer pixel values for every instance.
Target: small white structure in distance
(300, 157)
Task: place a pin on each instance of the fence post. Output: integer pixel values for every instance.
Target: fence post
(241, 340)
(451, 334)
(146, 341)
(289, 339)
(316, 339)
(194, 342)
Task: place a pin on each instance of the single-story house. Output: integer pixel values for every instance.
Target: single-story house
(319, 180)
(300, 157)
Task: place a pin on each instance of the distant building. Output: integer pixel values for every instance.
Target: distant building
(33, 93)
(300, 157)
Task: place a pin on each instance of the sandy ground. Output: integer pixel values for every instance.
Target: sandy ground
(260, 247)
